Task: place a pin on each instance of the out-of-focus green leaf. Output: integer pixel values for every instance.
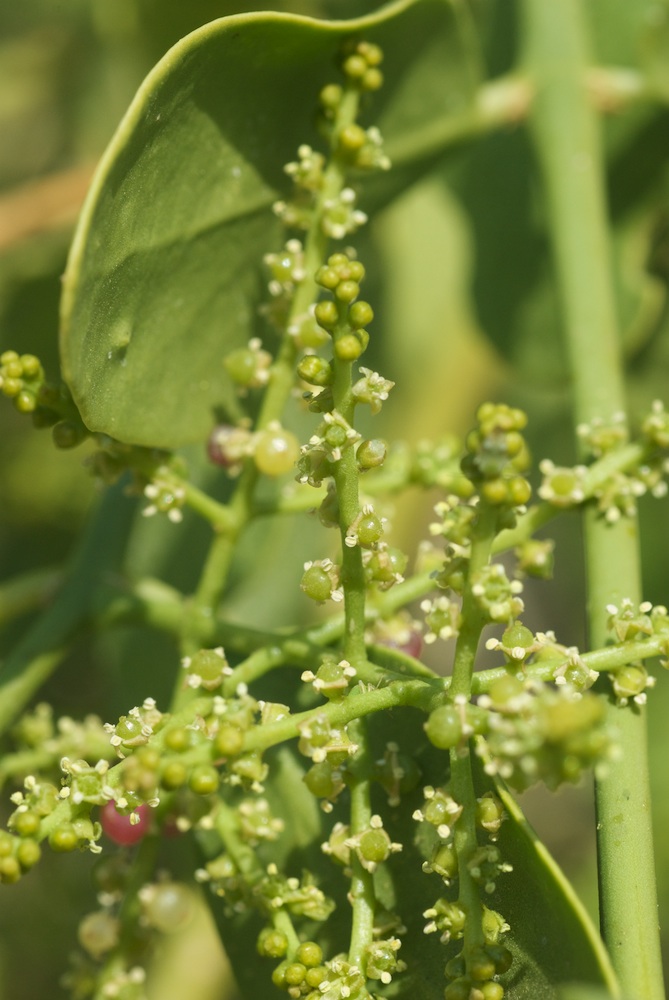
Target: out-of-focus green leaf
(163, 277)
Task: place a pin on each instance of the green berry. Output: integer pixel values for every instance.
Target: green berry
(272, 943)
(11, 387)
(209, 665)
(229, 740)
(374, 845)
(310, 954)
(31, 365)
(67, 434)
(63, 838)
(327, 314)
(241, 365)
(276, 452)
(174, 774)
(444, 727)
(204, 779)
(178, 740)
(491, 991)
(25, 402)
(481, 966)
(371, 453)
(347, 291)
(348, 347)
(26, 824)
(372, 79)
(369, 530)
(352, 138)
(316, 976)
(315, 370)
(319, 781)
(355, 270)
(279, 975)
(517, 635)
(355, 67)
(10, 870)
(294, 974)
(459, 989)
(330, 96)
(316, 583)
(327, 277)
(28, 853)
(520, 491)
(360, 314)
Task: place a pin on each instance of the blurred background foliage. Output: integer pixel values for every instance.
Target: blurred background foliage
(467, 309)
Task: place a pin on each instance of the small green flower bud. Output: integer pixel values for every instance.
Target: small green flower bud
(517, 635)
(320, 782)
(481, 966)
(371, 454)
(372, 80)
(11, 387)
(347, 291)
(444, 727)
(209, 666)
(174, 775)
(241, 365)
(327, 314)
(204, 779)
(327, 277)
(28, 853)
(10, 869)
(355, 67)
(374, 845)
(330, 96)
(310, 954)
(369, 530)
(459, 989)
(279, 975)
(25, 402)
(360, 314)
(352, 138)
(63, 838)
(316, 583)
(348, 347)
(491, 991)
(178, 740)
(294, 974)
(26, 824)
(315, 370)
(272, 943)
(316, 976)
(229, 740)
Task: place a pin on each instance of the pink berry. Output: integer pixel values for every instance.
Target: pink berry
(119, 828)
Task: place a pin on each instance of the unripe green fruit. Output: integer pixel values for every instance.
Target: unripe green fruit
(371, 453)
(294, 974)
(352, 138)
(319, 781)
(372, 80)
(326, 314)
(348, 347)
(272, 943)
(492, 991)
(31, 365)
(355, 67)
(316, 976)
(279, 975)
(276, 452)
(10, 870)
(355, 270)
(517, 635)
(178, 740)
(520, 491)
(316, 583)
(207, 664)
(11, 387)
(174, 774)
(26, 824)
(310, 954)
(459, 989)
(360, 314)
(330, 96)
(444, 861)
(374, 845)
(13, 370)
(315, 370)
(347, 291)
(63, 838)
(229, 740)
(169, 907)
(28, 853)
(481, 966)
(369, 530)
(501, 956)
(241, 365)
(444, 727)
(338, 260)
(204, 779)
(25, 401)
(327, 277)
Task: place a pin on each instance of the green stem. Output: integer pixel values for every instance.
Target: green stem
(361, 892)
(474, 620)
(26, 592)
(567, 139)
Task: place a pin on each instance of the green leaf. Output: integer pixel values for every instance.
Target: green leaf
(163, 277)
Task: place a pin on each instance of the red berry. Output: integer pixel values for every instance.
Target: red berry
(119, 828)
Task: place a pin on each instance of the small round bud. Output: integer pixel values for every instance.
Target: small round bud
(369, 530)
(25, 402)
(327, 277)
(229, 740)
(374, 845)
(355, 67)
(207, 664)
(319, 780)
(444, 727)
(168, 906)
(10, 870)
(347, 291)
(330, 96)
(310, 954)
(352, 138)
(316, 976)
(315, 370)
(294, 974)
(371, 453)
(67, 434)
(272, 943)
(173, 775)
(204, 779)
(28, 853)
(316, 583)
(327, 314)
(360, 314)
(372, 80)
(26, 824)
(63, 838)
(348, 347)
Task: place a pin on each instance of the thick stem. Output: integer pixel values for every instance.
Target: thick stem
(567, 140)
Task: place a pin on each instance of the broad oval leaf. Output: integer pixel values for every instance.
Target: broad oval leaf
(164, 273)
